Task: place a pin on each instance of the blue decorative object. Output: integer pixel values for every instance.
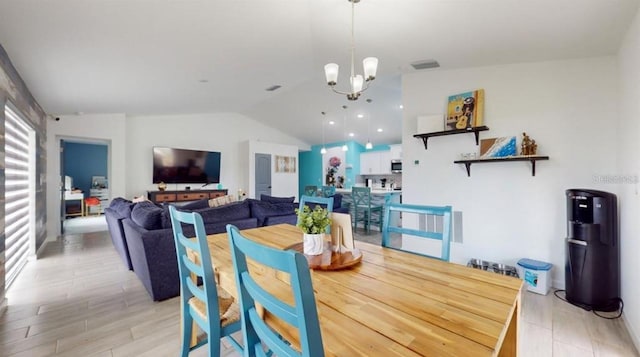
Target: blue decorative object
(498, 147)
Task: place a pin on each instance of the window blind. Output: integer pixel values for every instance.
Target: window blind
(17, 191)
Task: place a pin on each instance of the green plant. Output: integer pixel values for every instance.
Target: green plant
(313, 221)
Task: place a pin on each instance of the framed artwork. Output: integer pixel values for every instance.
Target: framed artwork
(286, 164)
(465, 110)
(498, 147)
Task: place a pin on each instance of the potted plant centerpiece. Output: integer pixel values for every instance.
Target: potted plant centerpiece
(313, 224)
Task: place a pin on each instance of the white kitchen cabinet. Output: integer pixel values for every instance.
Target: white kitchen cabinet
(396, 151)
(375, 163)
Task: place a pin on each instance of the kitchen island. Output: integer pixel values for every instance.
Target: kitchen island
(379, 197)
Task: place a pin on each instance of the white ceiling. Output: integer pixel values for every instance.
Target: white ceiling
(148, 56)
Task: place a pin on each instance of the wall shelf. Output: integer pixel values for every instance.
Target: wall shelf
(473, 130)
(530, 158)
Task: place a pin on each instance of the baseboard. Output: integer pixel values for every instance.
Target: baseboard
(41, 249)
(634, 336)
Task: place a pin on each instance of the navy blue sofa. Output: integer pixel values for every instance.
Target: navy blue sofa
(142, 234)
(119, 209)
(150, 243)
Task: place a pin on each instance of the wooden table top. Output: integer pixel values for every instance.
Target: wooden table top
(395, 303)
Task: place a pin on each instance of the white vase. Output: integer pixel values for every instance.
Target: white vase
(313, 244)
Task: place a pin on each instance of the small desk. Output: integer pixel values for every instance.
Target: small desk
(395, 303)
(71, 196)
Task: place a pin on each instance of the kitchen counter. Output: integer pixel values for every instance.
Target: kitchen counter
(379, 197)
(374, 191)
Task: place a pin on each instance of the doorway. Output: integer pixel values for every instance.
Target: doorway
(84, 166)
(263, 175)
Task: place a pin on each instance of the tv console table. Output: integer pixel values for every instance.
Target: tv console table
(184, 195)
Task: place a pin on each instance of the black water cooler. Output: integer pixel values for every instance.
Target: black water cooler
(592, 270)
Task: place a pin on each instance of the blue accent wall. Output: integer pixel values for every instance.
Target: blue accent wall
(311, 164)
(82, 161)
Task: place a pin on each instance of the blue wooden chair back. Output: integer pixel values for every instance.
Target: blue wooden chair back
(361, 196)
(311, 190)
(303, 315)
(313, 201)
(445, 236)
(328, 191)
(363, 209)
(188, 288)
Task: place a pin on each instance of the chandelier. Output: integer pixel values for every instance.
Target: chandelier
(370, 65)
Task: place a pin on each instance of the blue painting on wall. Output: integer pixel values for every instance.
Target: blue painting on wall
(498, 147)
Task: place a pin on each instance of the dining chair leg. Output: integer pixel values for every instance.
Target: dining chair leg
(187, 329)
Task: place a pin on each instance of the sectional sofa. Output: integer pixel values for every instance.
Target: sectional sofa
(141, 233)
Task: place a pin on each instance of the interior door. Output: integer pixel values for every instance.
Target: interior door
(263, 174)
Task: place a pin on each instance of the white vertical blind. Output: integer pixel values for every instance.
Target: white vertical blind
(18, 179)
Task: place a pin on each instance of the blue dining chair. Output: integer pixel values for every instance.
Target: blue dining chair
(363, 209)
(445, 236)
(303, 315)
(327, 202)
(311, 190)
(328, 191)
(210, 307)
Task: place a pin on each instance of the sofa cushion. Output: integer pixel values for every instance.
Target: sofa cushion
(262, 209)
(272, 199)
(337, 200)
(195, 205)
(122, 207)
(149, 216)
(222, 200)
(288, 219)
(227, 213)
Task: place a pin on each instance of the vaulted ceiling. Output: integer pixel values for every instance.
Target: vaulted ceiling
(193, 56)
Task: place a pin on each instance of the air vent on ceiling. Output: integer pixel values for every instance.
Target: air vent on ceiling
(426, 64)
(273, 87)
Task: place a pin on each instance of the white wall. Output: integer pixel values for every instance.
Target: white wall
(282, 184)
(629, 164)
(227, 133)
(568, 107)
(108, 128)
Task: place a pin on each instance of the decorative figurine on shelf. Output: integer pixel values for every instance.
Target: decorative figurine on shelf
(162, 186)
(528, 146)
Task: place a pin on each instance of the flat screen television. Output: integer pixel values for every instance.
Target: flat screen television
(172, 165)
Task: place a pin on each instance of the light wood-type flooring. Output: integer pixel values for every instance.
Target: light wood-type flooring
(80, 300)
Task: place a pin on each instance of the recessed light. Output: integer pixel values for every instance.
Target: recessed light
(401, 106)
(204, 81)
(331, 122)
(379, 130)
(360, 116)
(352, 135)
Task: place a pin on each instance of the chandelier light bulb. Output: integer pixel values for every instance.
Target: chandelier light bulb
(345, 147)
(369, 145)
(370, 65)
(323, 150)
(356, 84)
(331, 72)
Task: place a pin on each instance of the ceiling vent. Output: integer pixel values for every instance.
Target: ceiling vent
(273, 87)
(426, 64)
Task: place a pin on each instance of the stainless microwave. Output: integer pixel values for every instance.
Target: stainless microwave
(396, 166)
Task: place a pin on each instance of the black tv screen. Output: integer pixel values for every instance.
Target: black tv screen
(172, 165)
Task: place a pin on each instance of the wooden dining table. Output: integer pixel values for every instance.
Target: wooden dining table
(393, 303)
